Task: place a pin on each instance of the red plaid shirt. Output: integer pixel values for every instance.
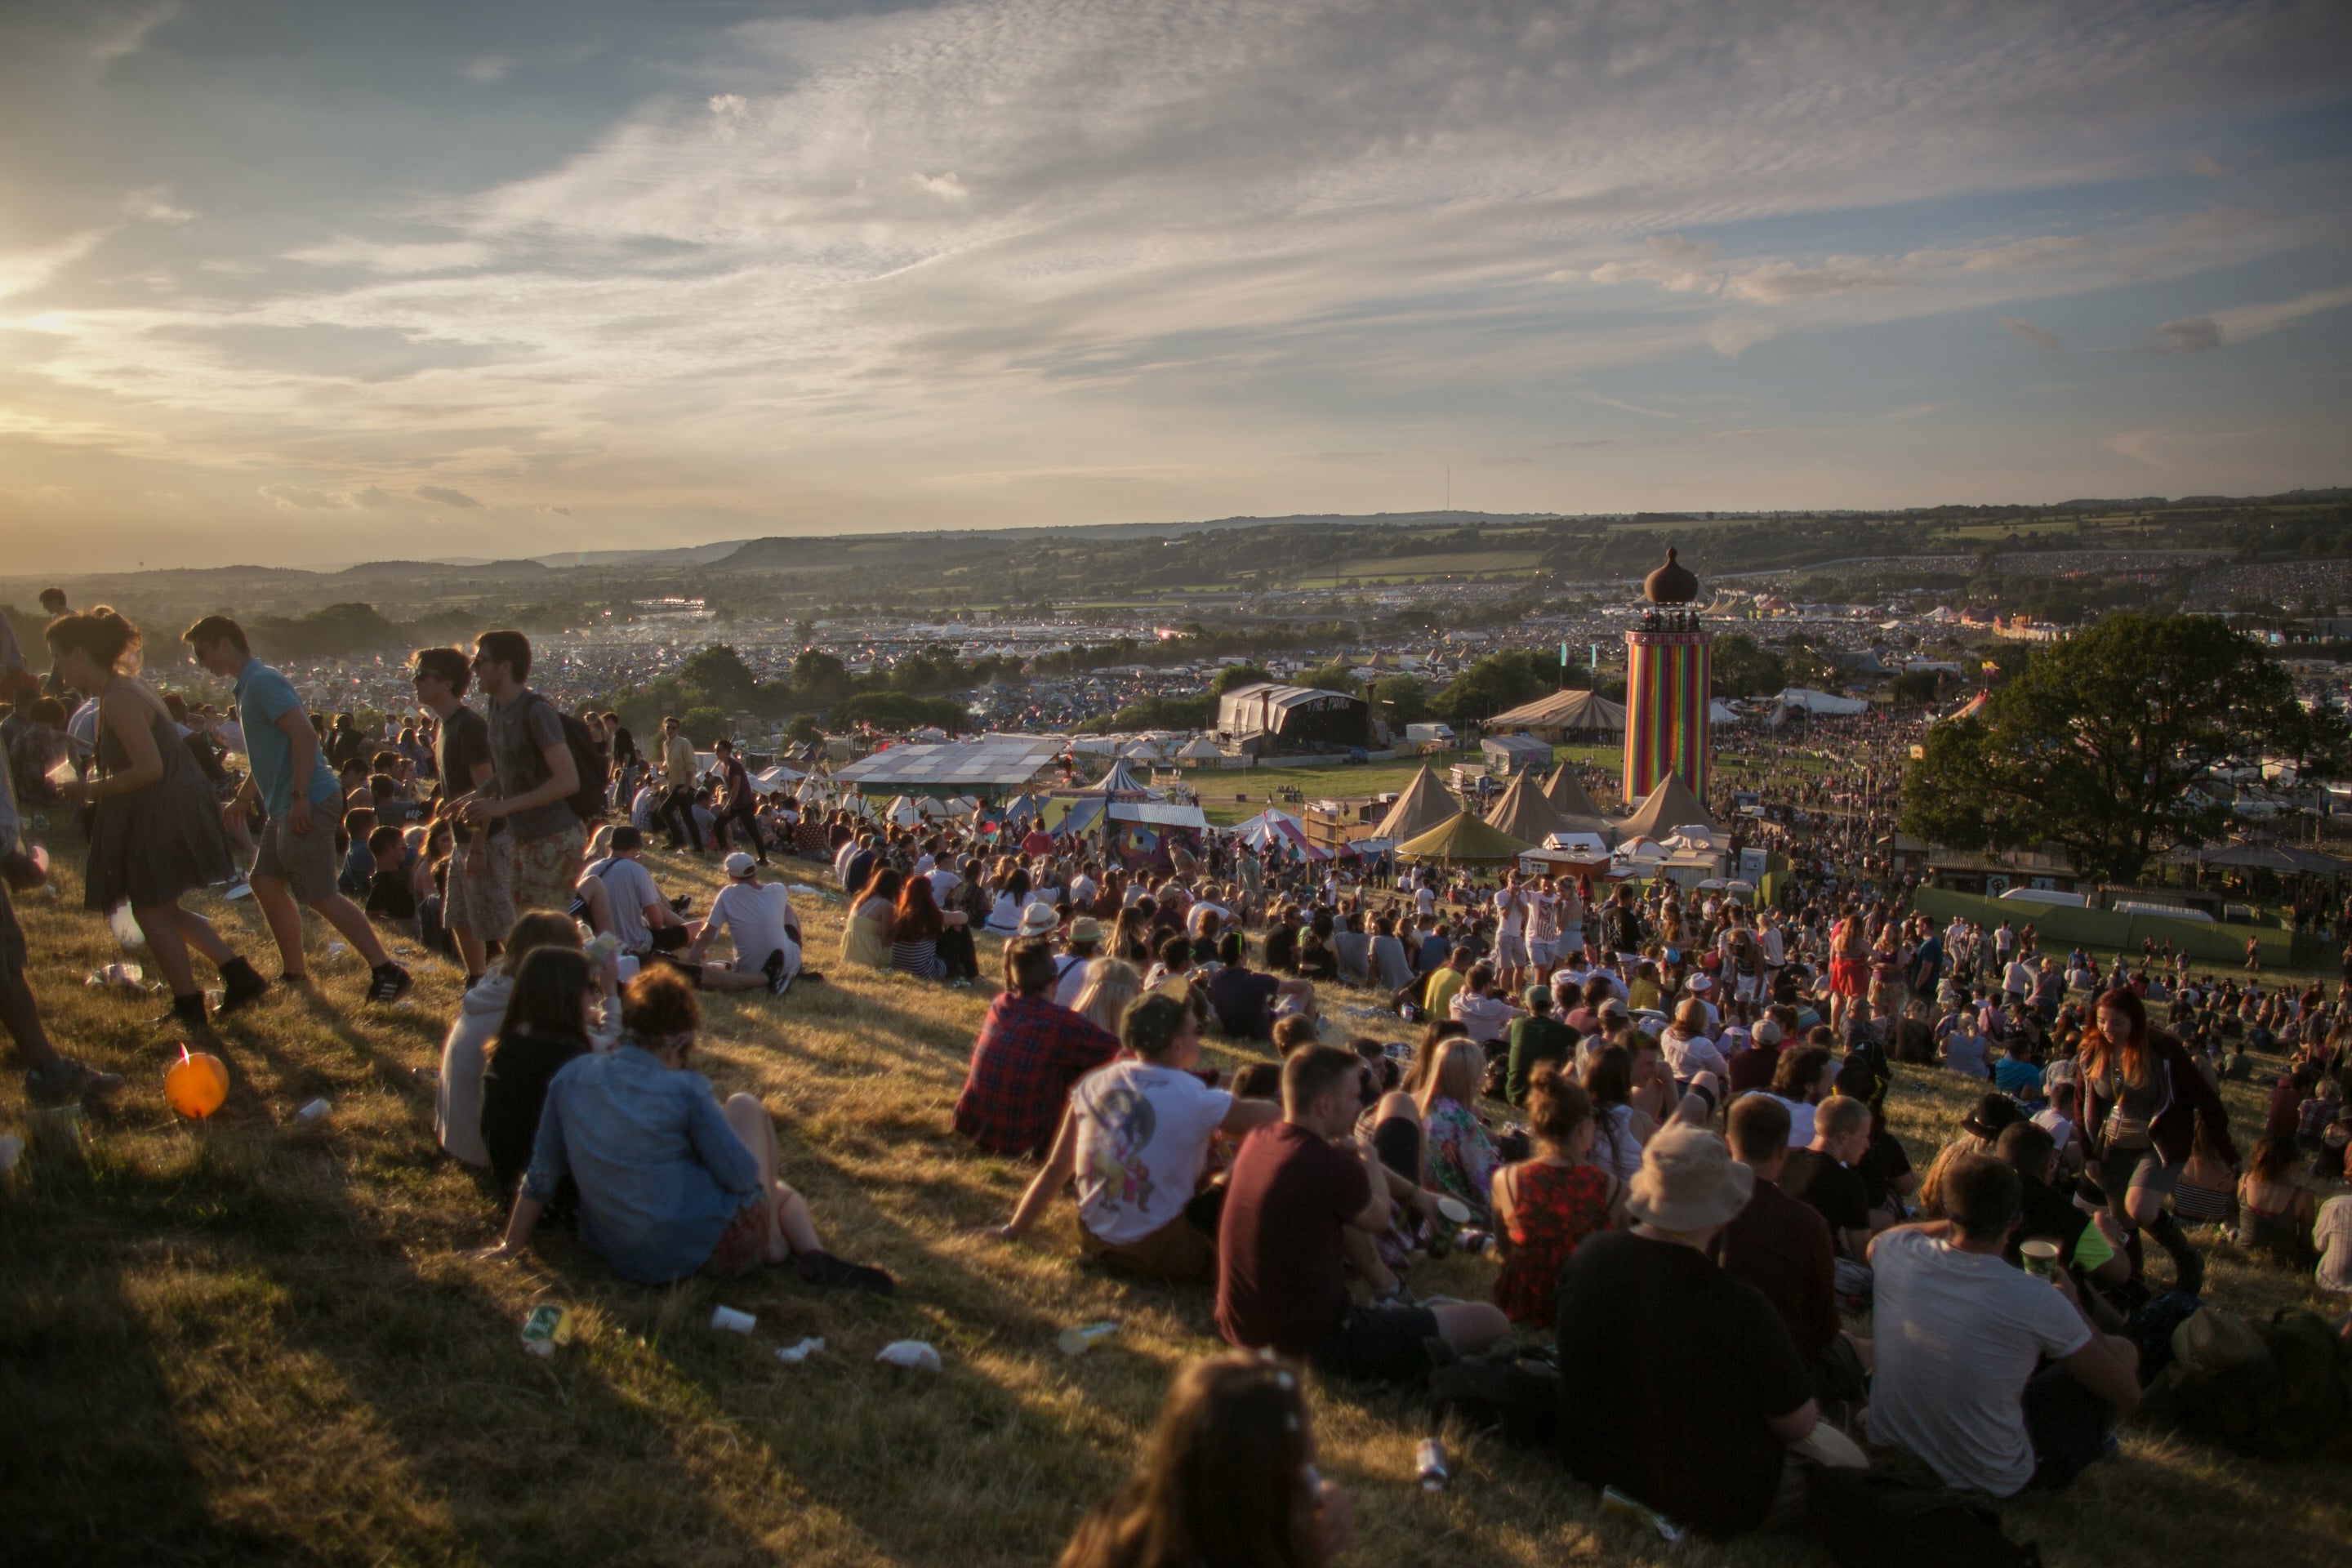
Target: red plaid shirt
(1029, 1053)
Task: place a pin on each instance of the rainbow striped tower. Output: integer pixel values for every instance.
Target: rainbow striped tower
(1669, 688)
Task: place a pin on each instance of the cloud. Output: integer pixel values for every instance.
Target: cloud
(1629, 408)
(151, 206)
(123, 31)
(442, 495)
(394, 258)
(295, 497)
(2205, 167)
(374, 498)
(2040, 337)
(2189, 335)
(487, 71)
(555, 510)
(1916, 411)
(2244, 322)
(2139, 446)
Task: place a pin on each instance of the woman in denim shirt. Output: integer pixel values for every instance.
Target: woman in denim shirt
(668, 1181)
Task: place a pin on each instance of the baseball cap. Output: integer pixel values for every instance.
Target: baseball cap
(739, 865)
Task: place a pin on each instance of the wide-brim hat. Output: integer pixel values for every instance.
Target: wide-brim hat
(1037, 920)
(2212, 1340)
(1993, 1113)
(1086, 928)
(1688, 1180)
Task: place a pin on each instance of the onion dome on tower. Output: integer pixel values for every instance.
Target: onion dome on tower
(1672, 583)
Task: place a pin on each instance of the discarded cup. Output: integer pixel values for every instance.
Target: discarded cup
(733, 1321)
(1455, 1210)
(12, 1149)
(1085, 1337)
(1429, 1464)
(56, 1130)
(912, 1354)
(336, 950)
(2041, 1256)
(546, 1328)
(314, 1111)
(792, 1355)
(116, 977)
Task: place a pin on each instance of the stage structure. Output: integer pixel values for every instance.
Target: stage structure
(1669, 684)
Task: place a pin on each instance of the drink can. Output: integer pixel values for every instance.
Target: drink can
(1085, 1337)
(546, 1328)
(733, 1321)
(1429, 1464)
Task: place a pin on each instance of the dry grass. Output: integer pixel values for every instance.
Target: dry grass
(263, 1339)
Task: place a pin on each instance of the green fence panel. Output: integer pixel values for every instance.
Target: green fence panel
(2112, 930)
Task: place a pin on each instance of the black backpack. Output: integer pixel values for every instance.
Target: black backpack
(1502, 1391)
(1877, 1519)
(587, 802)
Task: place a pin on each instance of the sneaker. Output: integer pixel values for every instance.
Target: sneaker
(66, 1080)
(811, 976)
(822, 1268)
(391, 983)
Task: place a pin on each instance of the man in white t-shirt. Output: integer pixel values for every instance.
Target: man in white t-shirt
(759, 917)
(632, 907)
(1961, 1337)
(1136, 1136)
(1510, 934)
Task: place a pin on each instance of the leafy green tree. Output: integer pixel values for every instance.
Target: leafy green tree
(1496, 682)
(1329, 677)
(721, 675)
(703, 724)
(1236, 675)
(2096, 743)
(820, 677)
(1745, 668)
(1917, 686)
(1400, 699)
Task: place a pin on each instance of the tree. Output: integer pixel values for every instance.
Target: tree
(1235, 674)
(1918, 686)
(1745, 668)
(2097, 743)
(896, 710)
(1329, 677)
(719, 674)
(1498, 681)
(1400, 699)
(820, 677)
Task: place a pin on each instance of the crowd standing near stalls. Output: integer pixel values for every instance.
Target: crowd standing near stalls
(1705, 1155)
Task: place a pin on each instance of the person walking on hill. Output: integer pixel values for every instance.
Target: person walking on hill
(678, 769)
(478, 902)
(155, 833)
(536, 777)
(290, 779)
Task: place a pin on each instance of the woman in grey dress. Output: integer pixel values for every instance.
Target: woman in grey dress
(156, 829)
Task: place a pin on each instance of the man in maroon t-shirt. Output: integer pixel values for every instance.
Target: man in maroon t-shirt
(1281, 1244)
(1782, 1245)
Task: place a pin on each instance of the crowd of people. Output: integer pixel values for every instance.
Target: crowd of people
(1665, 1112)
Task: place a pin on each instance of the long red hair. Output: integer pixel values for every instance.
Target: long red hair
(2131, 1053)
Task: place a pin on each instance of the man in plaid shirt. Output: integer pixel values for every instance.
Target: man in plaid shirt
(1029, 1053)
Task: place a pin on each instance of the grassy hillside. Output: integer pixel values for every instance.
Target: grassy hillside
(264, 1340)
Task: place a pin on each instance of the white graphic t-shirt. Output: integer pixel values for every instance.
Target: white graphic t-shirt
(1143, 1136)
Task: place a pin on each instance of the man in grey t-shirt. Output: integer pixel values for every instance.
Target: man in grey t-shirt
(535, 777)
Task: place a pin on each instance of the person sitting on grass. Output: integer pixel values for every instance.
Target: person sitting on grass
(1230, 1478)
(391, 884)
(545, 1025)
(1783, 1247)
(758, 916)
(917, 926)
(1480, 1013)
(1136, 1138)
(865, 933)
(1111, 984)
(1535, 1038)
(1638, 1408)
(1027, 1055)
(1297, 1188)
(457, 1087)
(1995, 1378)
(623, 898)
(1247, 1001)
(1459, 1153)
(1545, 1206)
(668, 1181)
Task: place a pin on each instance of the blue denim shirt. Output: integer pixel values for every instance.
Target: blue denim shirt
(660, 1172)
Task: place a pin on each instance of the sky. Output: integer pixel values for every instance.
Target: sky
(330, 281)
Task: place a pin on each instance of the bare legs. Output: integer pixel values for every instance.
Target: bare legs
(21, 1017)
(169, 931)
(789, 1229)
(285, 918)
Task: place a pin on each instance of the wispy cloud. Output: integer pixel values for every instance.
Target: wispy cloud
(122, 31)
(442, 495)
(2042, 337)
(1916, 411)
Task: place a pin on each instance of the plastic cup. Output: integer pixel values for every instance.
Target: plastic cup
(2041, 1256)
(1455, 1211)
(314, 1111)
(1085, 1337)
(733, 1321)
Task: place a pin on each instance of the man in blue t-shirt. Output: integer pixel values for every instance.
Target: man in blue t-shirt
(295, 863)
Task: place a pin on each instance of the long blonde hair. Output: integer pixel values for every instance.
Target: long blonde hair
(1457, 1071)
(1110, 984)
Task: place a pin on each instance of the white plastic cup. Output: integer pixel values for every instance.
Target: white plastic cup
(314, 1111)
(1085, 1337)
(733, 1321)
(12, 1149)
(627, 964)
(912, 1354)
(792, 1355)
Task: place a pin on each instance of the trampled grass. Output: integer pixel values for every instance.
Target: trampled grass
(263, 1339)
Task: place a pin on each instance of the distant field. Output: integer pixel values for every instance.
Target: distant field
(1360, 782)
(1459, 563)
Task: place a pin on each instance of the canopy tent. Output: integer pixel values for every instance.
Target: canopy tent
(986, 766)
(1524, 813)
(775, 780)
(1667, 807)
(1718, 713)
(1804, 699)
(1561, 711)
(1424, 804)
(1465, 838)
(1199, 748)
(1119, 781)
(1568, 797)
(1275, 829)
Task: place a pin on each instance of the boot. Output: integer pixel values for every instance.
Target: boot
(187, 1013)
(241, 985)
(2188, 1263)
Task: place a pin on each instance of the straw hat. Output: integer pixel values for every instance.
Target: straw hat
(1086, 928)
(1688, 1180)
(1037, 920)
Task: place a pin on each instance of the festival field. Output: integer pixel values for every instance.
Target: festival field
(263, 1340)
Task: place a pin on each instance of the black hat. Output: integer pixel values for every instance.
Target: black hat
(1993, 1112)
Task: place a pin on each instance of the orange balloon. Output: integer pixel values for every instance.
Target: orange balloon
(197, 1084)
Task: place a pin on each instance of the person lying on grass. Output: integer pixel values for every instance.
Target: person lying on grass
(1136, 1136)
(669, 1182)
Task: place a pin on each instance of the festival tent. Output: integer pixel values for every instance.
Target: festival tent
(1807, 701)
(1465, 838)
(901, 812)
(1667, 807)
(1719, 713)
(1199, 748)
(1972, 707)
(1119, 781)
(1524, 813)
(1424, 804)
(1561, 712)
(1272, 829)
(1568, 797)
(771, 781)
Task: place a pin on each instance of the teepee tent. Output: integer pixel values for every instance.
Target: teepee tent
(1574, 803)
(1524, 813)
(1199, 748)
(1465, 838)
(1668, 806)
(1424, 804)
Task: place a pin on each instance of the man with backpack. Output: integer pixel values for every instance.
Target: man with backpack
(536, 777)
